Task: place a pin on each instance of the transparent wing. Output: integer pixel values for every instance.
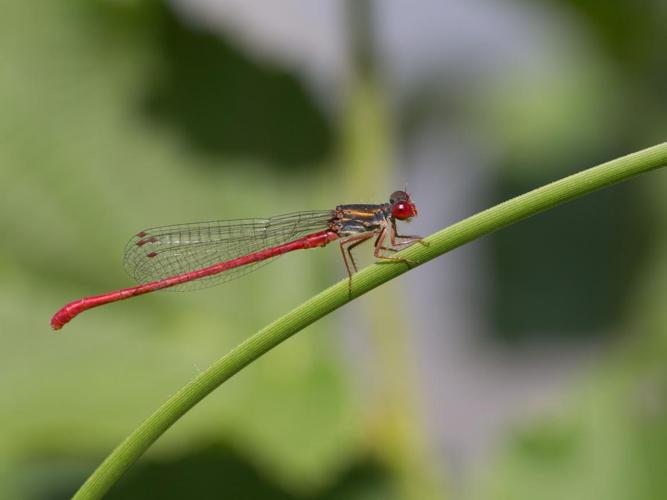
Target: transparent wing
(161, 252)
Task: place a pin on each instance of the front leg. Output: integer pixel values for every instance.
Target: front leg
(379, 246)
(393, 234)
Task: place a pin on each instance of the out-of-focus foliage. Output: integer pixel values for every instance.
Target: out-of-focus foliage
(115, 116)
(610, 440)
(226, 104)
(83, 166)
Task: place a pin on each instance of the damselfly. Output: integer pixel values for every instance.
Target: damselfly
(189, 256)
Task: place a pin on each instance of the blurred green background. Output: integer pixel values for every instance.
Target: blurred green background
(531, 364)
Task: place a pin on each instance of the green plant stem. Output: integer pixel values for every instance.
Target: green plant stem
(371, 277)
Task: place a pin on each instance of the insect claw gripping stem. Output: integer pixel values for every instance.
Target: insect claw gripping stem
(388, 260)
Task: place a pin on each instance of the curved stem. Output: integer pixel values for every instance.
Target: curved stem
(334, 297)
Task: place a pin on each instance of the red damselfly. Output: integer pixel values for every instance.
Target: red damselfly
(189, 256)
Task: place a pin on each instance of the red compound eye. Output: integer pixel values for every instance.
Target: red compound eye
(403, 210)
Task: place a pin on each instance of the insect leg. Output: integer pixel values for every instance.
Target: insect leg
(409, 239)
(346, 247)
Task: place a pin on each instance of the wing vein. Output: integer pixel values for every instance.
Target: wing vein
(165, 251)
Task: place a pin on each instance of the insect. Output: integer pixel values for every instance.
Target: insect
(198, 255)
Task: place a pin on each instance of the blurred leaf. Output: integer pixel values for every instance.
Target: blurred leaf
(228, 105)
(86, 169)
(567, 273)
(609, 439)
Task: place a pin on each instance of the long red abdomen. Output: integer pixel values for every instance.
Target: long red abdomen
(69, 311)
